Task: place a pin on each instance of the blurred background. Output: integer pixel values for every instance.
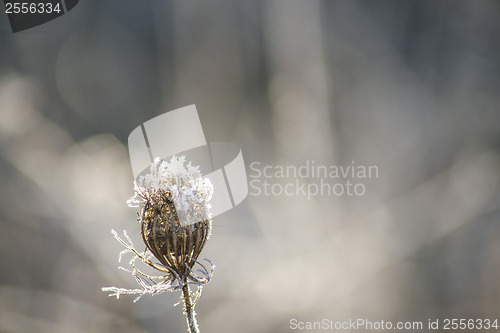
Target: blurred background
(409, 86)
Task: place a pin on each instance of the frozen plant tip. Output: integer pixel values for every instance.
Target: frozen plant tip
(175, 220)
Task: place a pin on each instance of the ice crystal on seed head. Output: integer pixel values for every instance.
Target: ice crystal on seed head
(189, 191)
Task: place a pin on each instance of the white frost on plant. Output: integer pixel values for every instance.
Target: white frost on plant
(153, 284)
(145, 281)
(190, 191)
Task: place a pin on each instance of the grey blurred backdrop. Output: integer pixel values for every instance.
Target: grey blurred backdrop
(409, 86)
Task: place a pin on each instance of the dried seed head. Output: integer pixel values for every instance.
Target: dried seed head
(175, 245)
(175, 223)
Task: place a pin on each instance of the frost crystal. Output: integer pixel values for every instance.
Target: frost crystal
(190, 192)
(150, 284)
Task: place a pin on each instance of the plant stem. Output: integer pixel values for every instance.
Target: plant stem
(189, 310)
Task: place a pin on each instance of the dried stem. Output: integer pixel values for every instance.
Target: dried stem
(189, 310)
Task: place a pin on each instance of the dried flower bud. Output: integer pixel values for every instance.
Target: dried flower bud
(175, 245)
(175, 223)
